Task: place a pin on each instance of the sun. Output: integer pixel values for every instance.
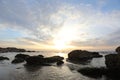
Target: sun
(59, 44)
(64, 37)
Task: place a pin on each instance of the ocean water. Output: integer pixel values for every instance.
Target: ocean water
(68, 71)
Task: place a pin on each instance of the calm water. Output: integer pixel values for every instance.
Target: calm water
(67, 71)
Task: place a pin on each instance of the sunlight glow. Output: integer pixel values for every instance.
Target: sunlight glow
(60, 44)
(61, 54)
(65, 36)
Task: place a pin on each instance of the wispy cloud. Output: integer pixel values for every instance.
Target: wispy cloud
(42, 21)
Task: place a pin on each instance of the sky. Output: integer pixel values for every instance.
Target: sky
(60, 24)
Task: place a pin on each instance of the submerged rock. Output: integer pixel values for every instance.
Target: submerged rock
(4, 58)
(18, 60)
(82, 55)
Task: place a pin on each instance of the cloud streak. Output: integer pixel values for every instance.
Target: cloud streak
(42, 21)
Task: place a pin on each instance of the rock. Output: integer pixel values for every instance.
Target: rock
(35, 60)
(22, 56)
(82, 55)
(112, 74)
(96, 55)
(118, 50)
(112, 61)
(40, 60)
(13, 49)
(17, 60)
(53, 59)
(41, 56)
(4, 58)
(93, 72)
(60, 63)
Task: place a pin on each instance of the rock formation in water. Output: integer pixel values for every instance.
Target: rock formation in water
(12, 49)
(82, 55)
(40, 60)
(112, 69)
(112, 61)
(20, 58)
(118, 50)
(3, 58)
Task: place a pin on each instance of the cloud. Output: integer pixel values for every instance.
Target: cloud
(43, 21)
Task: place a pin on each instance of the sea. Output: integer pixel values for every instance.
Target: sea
(67, 71)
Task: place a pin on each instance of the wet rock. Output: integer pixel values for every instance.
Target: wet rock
(41, 56)
(53, 59)
(35, 60)
(22, 56)
(60, 63)
(112, 61)
(111, 74)
(93, 72)
(118, 50)
(82, 55)
(40, 60)
(17, 60)
(4, 58)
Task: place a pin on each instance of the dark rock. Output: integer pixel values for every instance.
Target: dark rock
(53, 59)
(41, 56)
(118, 50)
(17, 60)
(93, 72)
(112, 61)
(40, 60)
(4, 58)
(22, 56)
(35, 60)
(12, 49)
(82, 55)
(111, 74)
(60, 63)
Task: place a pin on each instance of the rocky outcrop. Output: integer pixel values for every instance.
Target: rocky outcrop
(12, 49)
(82, 55)
(53, 59)
(112, 61)
(35, 60)
(17, 60)
(93, 72)
(22, 56)
(60, 63)
(112, 74)
(3, 58)
(40, 60)
(118, 50)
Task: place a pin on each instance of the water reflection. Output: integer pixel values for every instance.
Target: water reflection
(32, 68)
